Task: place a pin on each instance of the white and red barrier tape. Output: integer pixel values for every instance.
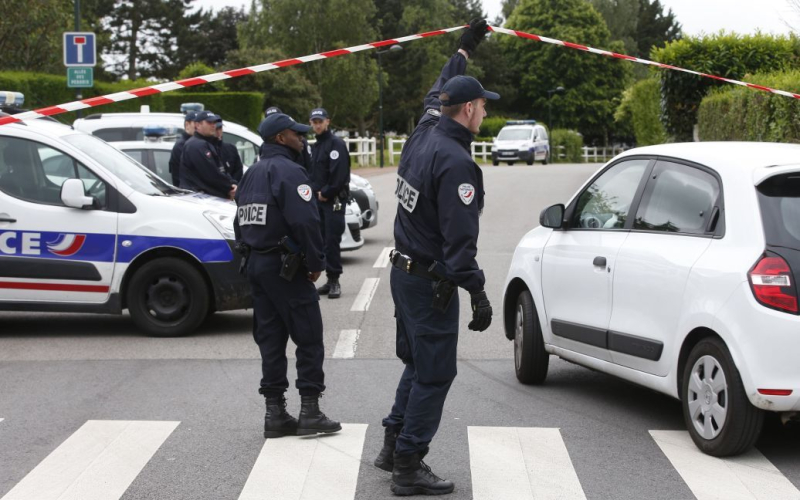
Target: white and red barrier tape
(235, 73)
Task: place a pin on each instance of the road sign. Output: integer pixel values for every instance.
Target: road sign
(80, 49)
(78, 78)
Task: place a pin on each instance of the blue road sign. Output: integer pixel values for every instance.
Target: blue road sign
(80, 49)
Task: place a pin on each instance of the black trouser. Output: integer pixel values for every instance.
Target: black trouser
(427, 342)
(332, 229)
(283, 309)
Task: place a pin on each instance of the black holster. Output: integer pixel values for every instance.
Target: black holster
(291, 258)
(443, 288)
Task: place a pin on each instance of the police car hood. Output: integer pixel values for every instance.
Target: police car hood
(207, 201)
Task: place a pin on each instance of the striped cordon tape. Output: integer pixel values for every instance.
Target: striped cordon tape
(93, 102)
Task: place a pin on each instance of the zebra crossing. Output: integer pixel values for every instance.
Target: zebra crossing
(101, 459)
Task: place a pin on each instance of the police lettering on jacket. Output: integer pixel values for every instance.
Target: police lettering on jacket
(440, 191)
(330, 160)
(274, 199)
(202, 168)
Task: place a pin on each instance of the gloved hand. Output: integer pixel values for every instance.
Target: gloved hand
(481, 312)
(474, 35)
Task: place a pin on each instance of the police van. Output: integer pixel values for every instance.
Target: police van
(84, 228)
(521, 140)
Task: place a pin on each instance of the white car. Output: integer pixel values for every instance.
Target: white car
(83, 228)
(674, 267)
(521, 140)
(154, 155)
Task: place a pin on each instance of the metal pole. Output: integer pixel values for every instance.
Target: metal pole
(78, 95)
(380, 105)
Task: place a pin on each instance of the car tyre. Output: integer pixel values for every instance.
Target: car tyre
(167, 298)
(546, 158)
(495, 162)
(721, 420)
(531, 360)
(530, 160)
(510, 163)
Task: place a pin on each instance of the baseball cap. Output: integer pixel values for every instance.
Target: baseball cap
(318, 114)
(205, 116)
(271, 110)
(461, 89)
(277, 123)
(190, 116)
(218, 122)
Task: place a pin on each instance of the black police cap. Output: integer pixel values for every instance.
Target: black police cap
(190, 116)
(277, 123)
(318, 114)
(461, 89)
(272, 110)
(206, 116)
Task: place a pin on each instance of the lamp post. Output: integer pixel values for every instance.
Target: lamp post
(557, 90)
(393, 48)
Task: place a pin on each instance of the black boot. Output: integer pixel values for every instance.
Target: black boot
(277, 422)
(312, 420)
(325, 289)
(411, 476)
(336, 290)
(385, 460)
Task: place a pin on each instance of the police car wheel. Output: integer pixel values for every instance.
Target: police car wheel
(510, 163)
(495, 162)
(531, 360)
(167, 297)
(530, 160)
(546, 159)
(721, 420)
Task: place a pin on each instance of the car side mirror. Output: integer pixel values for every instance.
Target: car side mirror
(552, 217)
(73, 194)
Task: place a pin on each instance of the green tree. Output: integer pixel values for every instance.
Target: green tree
(592, 82)
(655, 28)
(508, 7)
(201, 69)
(30, 34)
(622, 19)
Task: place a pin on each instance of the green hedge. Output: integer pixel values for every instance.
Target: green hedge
(491, 126)
(572, 142)
(742, 114)
(243, 108)
(640, 108)
(724, 54)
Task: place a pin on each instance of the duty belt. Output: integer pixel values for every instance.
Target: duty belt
(265, 251)
(408, 265)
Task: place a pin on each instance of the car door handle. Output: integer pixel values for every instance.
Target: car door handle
(599, 261)
(6, 219)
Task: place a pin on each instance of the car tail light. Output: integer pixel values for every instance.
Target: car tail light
(771, 281)
(775, 392)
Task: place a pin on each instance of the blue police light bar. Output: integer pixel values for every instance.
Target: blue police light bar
(192, 106)
(156, 131)
(12, 98)
(521, 122)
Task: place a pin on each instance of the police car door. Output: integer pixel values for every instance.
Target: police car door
(48, 251)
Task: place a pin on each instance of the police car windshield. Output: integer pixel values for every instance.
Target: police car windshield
(118, 163)
(514, 134)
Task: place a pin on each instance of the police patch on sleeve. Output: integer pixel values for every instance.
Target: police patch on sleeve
(309, 149)
(304, 190)
(334, 155)
(467, 193)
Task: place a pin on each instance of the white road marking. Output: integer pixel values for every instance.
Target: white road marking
(365, 295)
(300, 468)
(749, 476)
(519, 463)
(99, 461)
(383, 258)
(346, 345)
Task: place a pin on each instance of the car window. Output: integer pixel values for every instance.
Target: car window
(136, 154)
(606, 202)
(779, 199)
(514, 134)
(677, 199)
(248, 151)
(119, 134)
(34, 172)
(161, 160)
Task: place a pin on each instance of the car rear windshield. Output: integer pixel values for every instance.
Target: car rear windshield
(779, 198)
(515, 134)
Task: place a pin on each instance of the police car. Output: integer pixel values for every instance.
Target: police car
(83, 228)
(521, 140)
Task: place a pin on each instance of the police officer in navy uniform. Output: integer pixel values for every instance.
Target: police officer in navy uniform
(330, 178)
(440, 198)
(229, 155)
(277, 220)
(201, 165)
(177, 149)
(305, 157)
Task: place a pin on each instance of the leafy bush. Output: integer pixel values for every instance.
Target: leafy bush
(572, 142)
(724, 54)
(491, 126)
(640, 109)
(742, 114)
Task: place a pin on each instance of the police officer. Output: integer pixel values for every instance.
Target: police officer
(330, 179)
(440, 198)
(201, 165)
(229, 155)
(177, 149)
(277, 220)
(305, 157)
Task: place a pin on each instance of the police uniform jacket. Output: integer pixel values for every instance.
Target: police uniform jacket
(202, 168)
(175, 158)
(231, 160)
(440, 192)
(330, 171)
(275, 200)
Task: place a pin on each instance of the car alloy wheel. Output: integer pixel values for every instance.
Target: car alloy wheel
(708, 397)
(519, 336)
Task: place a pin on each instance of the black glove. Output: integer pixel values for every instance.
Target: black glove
(481, 312)
(474, 35)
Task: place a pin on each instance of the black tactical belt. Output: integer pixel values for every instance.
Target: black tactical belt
(265, 251)
(406, 264)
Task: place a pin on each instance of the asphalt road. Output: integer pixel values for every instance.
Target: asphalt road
(59, 374)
